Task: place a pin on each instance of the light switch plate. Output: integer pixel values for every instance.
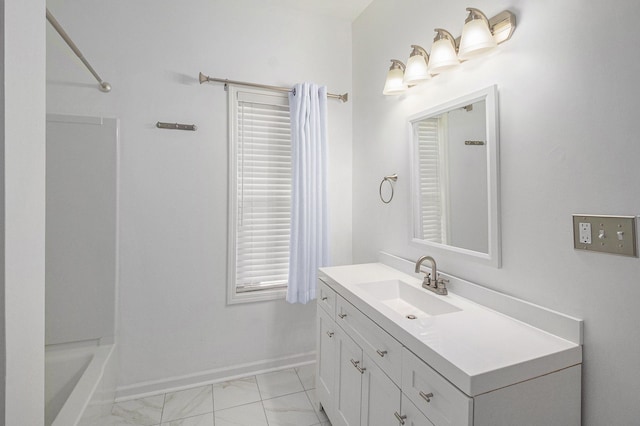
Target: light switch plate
(605, 234)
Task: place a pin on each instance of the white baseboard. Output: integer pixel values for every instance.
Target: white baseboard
(172, 384)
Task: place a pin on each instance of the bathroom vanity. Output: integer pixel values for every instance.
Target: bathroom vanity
(390, 352)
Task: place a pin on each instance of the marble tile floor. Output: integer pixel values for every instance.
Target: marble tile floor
(281, 398)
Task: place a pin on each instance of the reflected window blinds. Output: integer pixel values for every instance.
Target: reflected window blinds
(431, 203)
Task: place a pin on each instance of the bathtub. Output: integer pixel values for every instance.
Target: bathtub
(79, 382)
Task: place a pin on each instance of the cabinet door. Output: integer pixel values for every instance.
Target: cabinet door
(348, 381)
(325, 373)
(380, 397)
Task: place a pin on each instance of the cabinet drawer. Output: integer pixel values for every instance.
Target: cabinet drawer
(414, 417)
(383, 349)
(326, 298)
(439, 400)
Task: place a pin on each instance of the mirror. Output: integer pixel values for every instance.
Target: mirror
(454, 148)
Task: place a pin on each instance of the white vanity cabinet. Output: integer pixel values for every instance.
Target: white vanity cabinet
(373, 372)
(356, 359)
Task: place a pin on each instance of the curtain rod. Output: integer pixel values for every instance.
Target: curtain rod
(204, 78)
(104, 86)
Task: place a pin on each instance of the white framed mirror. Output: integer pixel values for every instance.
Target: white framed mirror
(454, 177)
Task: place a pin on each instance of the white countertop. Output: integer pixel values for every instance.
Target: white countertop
(476, 348)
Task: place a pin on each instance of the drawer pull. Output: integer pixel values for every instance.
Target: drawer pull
(356, 364)
(343, 316)
(426, 396)
(330, 333)
(324, 298)
(381, 353)
(400, 418)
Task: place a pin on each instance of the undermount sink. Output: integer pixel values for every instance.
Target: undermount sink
(407, 300)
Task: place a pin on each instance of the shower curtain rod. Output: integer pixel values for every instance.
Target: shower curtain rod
(204, 78)
(104, 86)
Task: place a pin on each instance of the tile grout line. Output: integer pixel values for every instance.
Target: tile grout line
(164, 402)
(307, 395)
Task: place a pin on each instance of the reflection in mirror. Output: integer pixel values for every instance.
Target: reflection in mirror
(454, 187)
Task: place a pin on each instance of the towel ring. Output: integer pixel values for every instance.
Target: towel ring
(390, 178)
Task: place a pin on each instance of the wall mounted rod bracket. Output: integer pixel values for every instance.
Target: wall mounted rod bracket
(176, 126)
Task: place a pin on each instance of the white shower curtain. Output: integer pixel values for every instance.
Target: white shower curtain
(309, 234)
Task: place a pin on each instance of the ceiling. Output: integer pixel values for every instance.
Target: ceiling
(341, 9)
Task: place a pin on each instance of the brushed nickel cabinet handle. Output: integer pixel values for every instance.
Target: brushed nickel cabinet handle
(381, 353)
(426, 396)
(356, 364)
(330, 333)
(324, 298)
(400, 418)
(343, 316)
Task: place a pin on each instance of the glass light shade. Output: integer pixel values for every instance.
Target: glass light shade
(394, 84)
(443, 56)
(476, 39)
(416, 71)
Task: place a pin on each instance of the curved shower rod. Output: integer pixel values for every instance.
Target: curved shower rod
(104, 86)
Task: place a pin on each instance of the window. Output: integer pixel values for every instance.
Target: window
(431, 215)
(259, 194)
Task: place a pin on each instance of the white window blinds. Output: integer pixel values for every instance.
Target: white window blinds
(260, 192)
(431, 214)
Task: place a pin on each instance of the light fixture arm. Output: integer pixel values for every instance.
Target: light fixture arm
(476, 14)
(419, 50)
(397, 64)
(442, 34)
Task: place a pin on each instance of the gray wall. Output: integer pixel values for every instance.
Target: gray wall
(568, 93)
(23, 168)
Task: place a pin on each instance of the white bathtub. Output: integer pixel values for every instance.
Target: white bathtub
(79, 383)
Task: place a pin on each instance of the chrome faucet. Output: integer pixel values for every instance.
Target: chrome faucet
(436, 284)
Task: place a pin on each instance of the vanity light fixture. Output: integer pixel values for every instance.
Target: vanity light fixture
(476, 35)
(417, 71)
(479, 35)
(395, 84)
(443, 52)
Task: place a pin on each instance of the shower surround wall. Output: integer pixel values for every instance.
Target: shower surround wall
(175, 326)
(568, 144)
